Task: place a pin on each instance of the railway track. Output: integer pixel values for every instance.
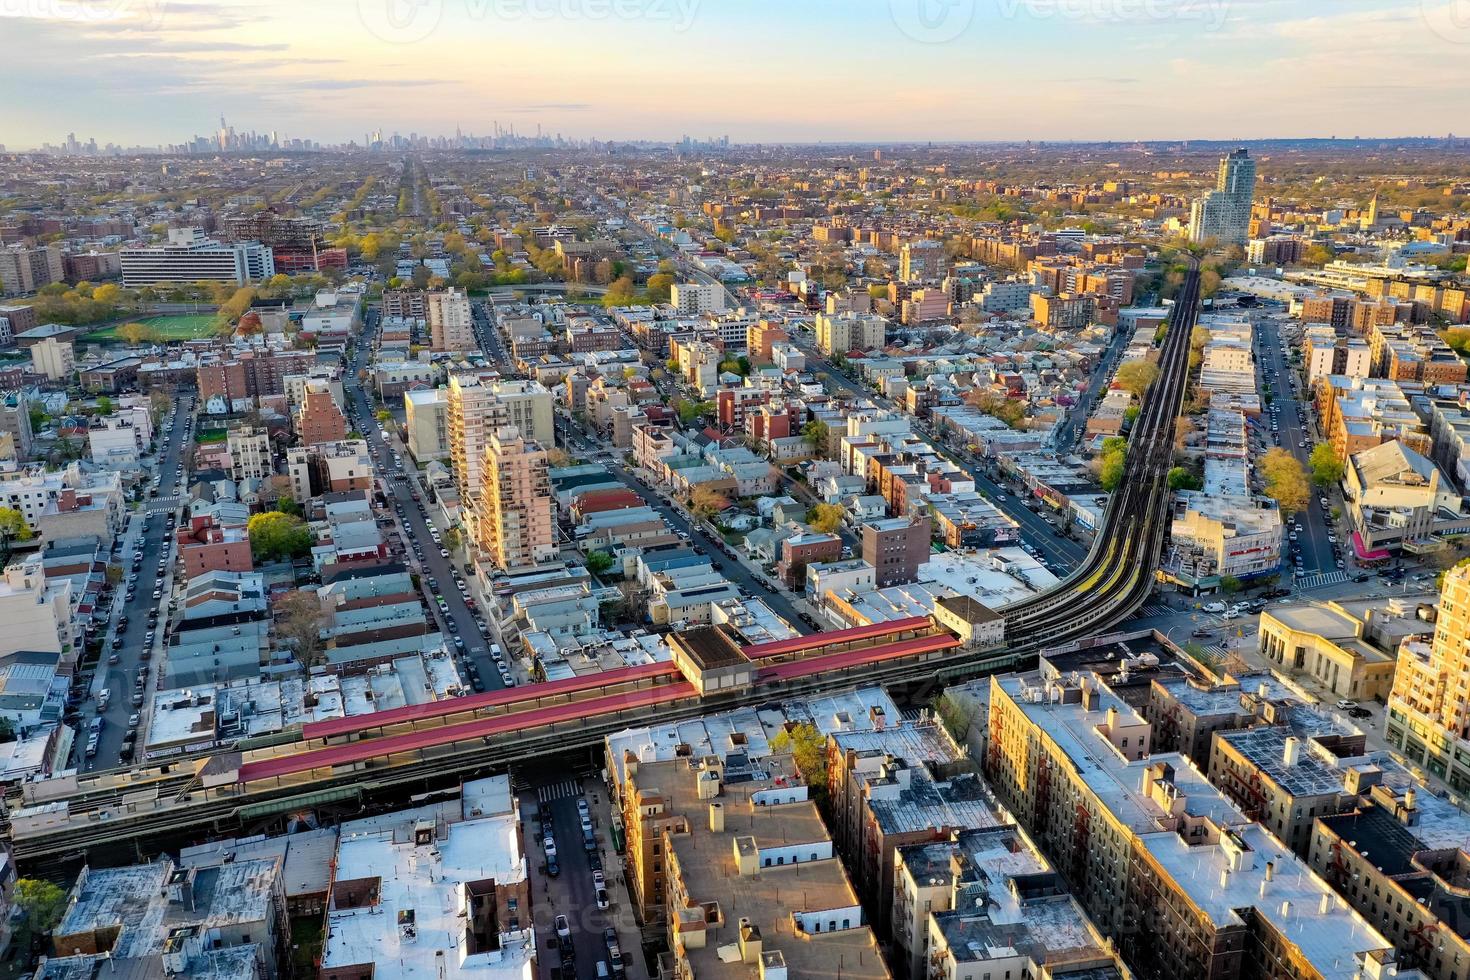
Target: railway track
(1111, 584)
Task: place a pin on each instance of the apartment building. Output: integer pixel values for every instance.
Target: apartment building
(329, 467)
(190, 256)
(165, 920)
(436, 891)
(514, 521)
(25, 268)
(426, 423)
(697, 298)
(250, 453)
(896, 547)
(1428, 714)
(480, 404)
(451, 322)
(319, 419)
(1359, 413)
(842, 332)
(1213, 537)
(1399, 859)
(987, 903)
(1163, 863)
(921, 261)
(893, 785)
(732, 857)
(35, 615)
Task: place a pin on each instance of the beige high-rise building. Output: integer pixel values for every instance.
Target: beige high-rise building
(850, 331)
(451, 322)
(921, 261)
(514, 522)
(1428, 716)
(478, 405)
(24, 269)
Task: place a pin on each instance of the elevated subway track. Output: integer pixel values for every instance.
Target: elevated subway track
(377, 762)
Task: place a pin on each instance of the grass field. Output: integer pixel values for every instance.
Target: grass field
(186, 326)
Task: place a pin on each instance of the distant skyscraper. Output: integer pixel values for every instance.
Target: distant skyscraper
(1224, 214)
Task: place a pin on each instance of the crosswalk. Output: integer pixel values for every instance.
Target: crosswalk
(158, 505)
(1155, 609)
(564, 790)
(1321, 580)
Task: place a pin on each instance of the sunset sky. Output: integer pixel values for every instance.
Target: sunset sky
(160, 71)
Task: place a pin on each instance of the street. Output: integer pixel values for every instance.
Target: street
(157, 544)
(733, 569)
(1319, 554)
(553, 803)
(401, 486)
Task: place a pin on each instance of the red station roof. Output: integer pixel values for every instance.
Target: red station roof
(854, 658)
(490, 699)
(363, 750)
(798, 643)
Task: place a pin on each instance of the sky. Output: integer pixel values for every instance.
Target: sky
(146, 72)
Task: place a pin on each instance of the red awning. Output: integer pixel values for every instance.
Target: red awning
(1377, 554)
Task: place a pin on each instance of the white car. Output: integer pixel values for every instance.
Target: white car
(1213, 607)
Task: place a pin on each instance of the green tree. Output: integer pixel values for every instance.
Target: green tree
(808, 747)
(1229, 584)
(1327, 466)
(599, 562)
(816, 433)
(1136, 376)
(660, 287)
(826, 518)
(452, 539)
(1182, 479)
(43, 903)
(1111, 462)
(1286, 481)
(137, 333)
(13, 526)
(689, 411)
(274, 535)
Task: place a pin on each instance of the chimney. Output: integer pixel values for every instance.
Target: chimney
(1325, 905)
(717, 817)
(1293, 751)
(750, 941)
(1270, 870)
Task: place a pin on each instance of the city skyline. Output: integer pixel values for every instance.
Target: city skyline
(642, 69)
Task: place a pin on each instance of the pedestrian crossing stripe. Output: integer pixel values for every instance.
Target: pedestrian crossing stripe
(564, 790)
(1322, 580)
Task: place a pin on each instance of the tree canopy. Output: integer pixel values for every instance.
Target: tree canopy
(43, 903)
(826, 518)
(1136, 376)
(1111, 462)
(1286, 481)
(275, 535)
(808, 747)
(1327, 466)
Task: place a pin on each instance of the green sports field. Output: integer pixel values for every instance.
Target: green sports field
(185, 326)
